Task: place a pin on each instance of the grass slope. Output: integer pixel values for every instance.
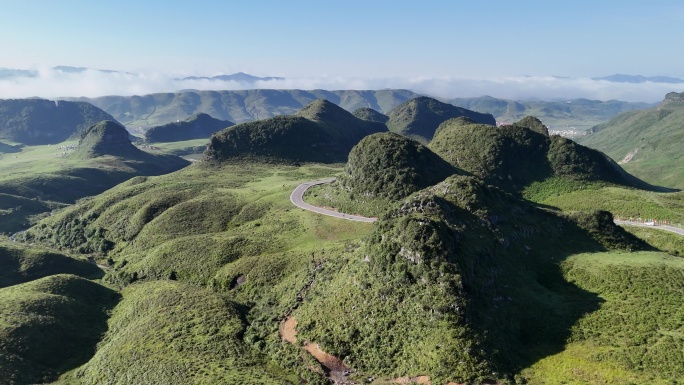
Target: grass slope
(21, 264)
(646, 143)
(49, 326)
(42, 178)
(636, 336)
(197, 341)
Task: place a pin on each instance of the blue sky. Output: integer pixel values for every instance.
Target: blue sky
(348, 39)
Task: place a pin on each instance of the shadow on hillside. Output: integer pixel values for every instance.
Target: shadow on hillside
(9, 149)
(528, 310)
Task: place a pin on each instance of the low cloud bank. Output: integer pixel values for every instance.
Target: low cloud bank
(50, 83)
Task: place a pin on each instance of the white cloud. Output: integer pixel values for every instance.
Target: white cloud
(91, 83)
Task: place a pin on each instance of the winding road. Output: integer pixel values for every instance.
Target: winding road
(673, 229)
(297, 199)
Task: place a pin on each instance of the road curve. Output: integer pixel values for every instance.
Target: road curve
(673, 229)
(297, 199)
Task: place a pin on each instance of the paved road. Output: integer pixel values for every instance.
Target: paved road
(673, 229)
(297, 200)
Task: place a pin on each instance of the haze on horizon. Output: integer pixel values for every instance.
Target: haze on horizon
(445, 48)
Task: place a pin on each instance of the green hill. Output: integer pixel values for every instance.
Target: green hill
(50, 326)
(39, 121)
(388, 165)
(459, 282)
(646, 143)
(516, 155)
(418, 118)
(370, 114)
(38, 180)
(319, 132)
(197, 341)
(20, 264)
(198, 126)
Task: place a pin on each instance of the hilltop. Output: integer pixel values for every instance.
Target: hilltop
(646, 143)
(418, 118)
(319, 132)
(514, 156)
(197, 126)
(388, 165)
(39, 121)
(370, 114)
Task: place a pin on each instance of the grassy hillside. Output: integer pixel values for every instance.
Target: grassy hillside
(39, 121)
(319, 132)
(231, 228)
(459, 279)
(515, 156)
(141, 112)
(646, 143)
(39, 179)
(457, 282)
(419, 118)
(50, 326)
(21, 264)
(198, 126)
(197, 341)
(636, 334)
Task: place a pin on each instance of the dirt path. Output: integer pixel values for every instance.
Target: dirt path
(336, 370)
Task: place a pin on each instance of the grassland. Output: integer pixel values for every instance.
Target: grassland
(461, 281)
(38, 179)
(636, 336)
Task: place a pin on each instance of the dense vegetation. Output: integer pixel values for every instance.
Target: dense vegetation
(388, 165)
(198, 126)
(517, 155)
(319, 132)
(646, 143)
(419, 118)
(39, 121)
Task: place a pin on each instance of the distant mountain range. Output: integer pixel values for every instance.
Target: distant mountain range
(239, 77)
(621, 78)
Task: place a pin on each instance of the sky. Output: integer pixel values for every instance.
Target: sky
(452, 48)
